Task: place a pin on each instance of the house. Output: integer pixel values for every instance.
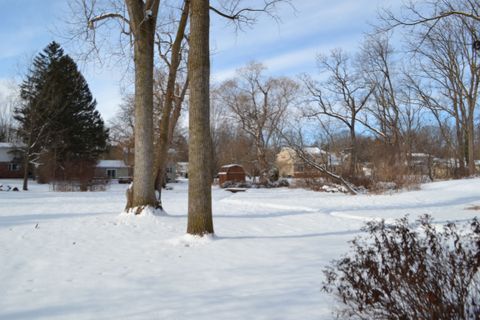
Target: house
(289, 164)
(10, 162)
(231, 172)
(112, 169)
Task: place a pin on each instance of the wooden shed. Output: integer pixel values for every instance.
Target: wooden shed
(231, 172)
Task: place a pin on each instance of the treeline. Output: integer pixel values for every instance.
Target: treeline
(391, 110)
(403, 103)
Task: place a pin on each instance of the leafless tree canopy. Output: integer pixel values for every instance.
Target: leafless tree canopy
(259, 104)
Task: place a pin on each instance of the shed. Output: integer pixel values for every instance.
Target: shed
(231, 172)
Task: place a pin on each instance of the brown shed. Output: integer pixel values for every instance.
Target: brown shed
(231, 172)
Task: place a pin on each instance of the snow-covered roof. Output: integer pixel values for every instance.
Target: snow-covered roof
(314, 151)
(7, 151)
(231, 165)
(111, 164)
(420, 155)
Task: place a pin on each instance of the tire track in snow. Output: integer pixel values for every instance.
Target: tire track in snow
(272, 206)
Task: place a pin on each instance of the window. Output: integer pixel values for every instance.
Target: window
(13, 167)
(111, 173)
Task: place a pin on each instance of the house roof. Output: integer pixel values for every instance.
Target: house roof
(111, 164)
(314, 151)
(231, 165)
(226, 168)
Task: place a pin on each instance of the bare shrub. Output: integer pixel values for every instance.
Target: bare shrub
(319, 185)
(79, 185)
(397, 272)
(314, 184)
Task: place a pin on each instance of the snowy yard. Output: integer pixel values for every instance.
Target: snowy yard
(70, 255)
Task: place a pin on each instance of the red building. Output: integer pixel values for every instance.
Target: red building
(10, 162)
(231, 172)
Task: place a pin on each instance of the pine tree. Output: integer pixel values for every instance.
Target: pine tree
(58, 115)
(33, 115)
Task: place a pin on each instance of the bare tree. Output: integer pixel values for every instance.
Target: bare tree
(200, 155)
(260, 105)
(385, 107)
(295, 139)
(139, 25)
(143, 19)
(447, 80)
(200, 145)
(174, 95)
(122, 128)
(8, 103)
(342, 96)
(429, 13)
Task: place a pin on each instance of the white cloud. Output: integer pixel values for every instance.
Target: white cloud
(319, 19)
(224, 74)
(290, 62)
(317, 26)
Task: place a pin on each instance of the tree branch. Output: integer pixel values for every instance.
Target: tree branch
(91, 22)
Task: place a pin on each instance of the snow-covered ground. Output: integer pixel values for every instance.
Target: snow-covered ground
(71, 256)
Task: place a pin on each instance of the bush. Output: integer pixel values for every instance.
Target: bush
(395, 272)
(320, 185)
(77, 185)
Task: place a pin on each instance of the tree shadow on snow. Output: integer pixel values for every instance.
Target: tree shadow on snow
(292, 236)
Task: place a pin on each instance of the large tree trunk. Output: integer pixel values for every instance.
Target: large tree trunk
(200, 176)
(470, 145)
(26, 162)
(353, 151)
(262, 161)
(460, 149)
(143, 27)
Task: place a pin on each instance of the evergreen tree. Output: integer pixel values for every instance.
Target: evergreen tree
(58, 115)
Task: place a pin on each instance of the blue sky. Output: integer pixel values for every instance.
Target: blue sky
(288, 47)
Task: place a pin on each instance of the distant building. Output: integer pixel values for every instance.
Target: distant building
(289, 164)
(231, 172)
(112, 169)
(10, 161)
(171, 166)
(171, 171)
